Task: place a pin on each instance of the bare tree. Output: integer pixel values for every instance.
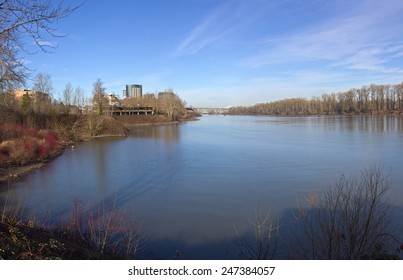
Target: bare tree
(79, 97)
(67, 95)
(44, 89)
(98, 87)
(350, 221)
(43, 83)
(171, 104)
(98, 93)
(12, 71)
(368, 99)
(20, 19)
(262, 243)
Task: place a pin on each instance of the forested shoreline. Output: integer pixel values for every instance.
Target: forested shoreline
(372, 99)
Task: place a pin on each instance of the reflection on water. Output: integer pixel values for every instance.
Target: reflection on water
(168, 133)
(191, 183)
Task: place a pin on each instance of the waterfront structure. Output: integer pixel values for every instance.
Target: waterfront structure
(35, 96)
(110, 105)
(133, 90)
(104, 104)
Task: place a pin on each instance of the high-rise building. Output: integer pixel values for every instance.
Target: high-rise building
(133, 91)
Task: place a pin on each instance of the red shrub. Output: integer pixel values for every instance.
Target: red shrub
(43, 151)
(3, 157)
(4, 151)
(20, 144)
(51, 139)
(48, 143)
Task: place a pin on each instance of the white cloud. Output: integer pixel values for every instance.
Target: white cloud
(375, 59)
(366, 37)
(220, 22)
(44, 43)
(214, 26)
(24, 61)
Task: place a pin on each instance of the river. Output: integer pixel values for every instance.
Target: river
(196, 186)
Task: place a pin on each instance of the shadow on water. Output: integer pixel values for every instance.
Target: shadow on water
(168, 249)
(293, 239)
(288, 246)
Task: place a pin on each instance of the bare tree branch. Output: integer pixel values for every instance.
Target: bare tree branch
(22, 19)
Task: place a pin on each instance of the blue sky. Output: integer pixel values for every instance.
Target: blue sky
(236, 52)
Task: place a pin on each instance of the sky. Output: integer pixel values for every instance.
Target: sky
(216, 53)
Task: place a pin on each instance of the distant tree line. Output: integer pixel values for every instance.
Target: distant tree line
(373, 99)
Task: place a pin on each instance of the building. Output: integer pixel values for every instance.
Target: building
(134, 90)
(104, 104)
(35, 96)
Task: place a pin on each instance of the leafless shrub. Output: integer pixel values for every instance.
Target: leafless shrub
(106, 230)
(349, 221)
(262, 245)
(94, 124)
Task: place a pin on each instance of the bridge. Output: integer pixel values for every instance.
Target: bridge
(212, 111)
(126, 110)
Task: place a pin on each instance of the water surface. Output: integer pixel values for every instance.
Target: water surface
(190, 184)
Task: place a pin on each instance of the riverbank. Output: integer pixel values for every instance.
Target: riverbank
(13, 172)
(31, 239)
(78, 129)
(26, 241)
(140, 120)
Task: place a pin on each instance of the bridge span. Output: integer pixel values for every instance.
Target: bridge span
(212, 111)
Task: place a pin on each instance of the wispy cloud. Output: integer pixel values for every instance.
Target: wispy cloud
(361, 38)
(213, 27)
(24, 61)
(372, 59)
(220, 22)
(44, 43)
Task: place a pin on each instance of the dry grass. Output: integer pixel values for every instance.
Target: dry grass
(98, 233)
(19, 145)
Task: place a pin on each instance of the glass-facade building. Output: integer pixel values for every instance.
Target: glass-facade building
(133, 91)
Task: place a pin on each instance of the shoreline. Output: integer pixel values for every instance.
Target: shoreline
(15, 173)
(372, 114)
(129, 125)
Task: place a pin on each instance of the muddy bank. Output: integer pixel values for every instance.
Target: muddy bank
(12, 172)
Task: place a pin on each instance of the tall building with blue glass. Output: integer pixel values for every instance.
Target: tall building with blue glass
(133, 91)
